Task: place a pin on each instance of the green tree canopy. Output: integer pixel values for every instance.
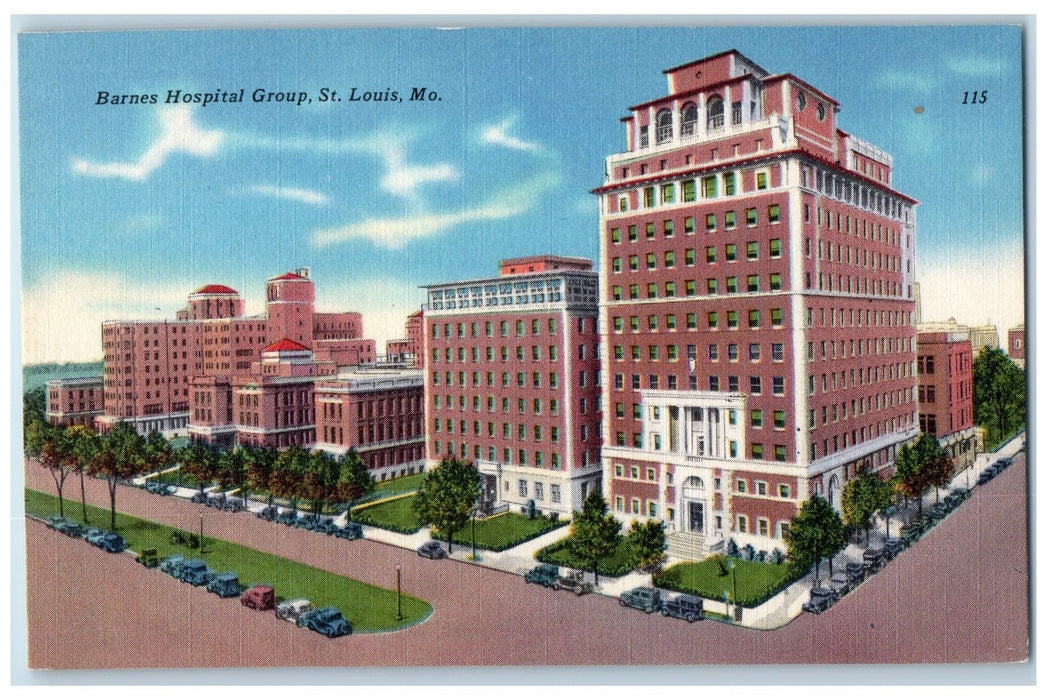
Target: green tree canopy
(864, 496)
(815, 533)
(354, 480)
(594, 533)
(447, 497)
(121, 456)
(999, 394)
(647, 541)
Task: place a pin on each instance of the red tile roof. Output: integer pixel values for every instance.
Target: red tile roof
(289, 276)
(285, 345)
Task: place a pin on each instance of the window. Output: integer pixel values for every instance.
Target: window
(752, 283)
(709, 187)
(670, 289)
(761, 488)
(729, 220)
(776, 281)
(732, 383)
(739, 486)
(633, 233)
(732, 319)
(668, 228)
(774, 213)
(778, 386)
(710, 286)
(670, 259)
(710, 222)
(714, 320)
(752, 250)
(777, 351)
(714, 352)
(522, 487)
(710, 254)
(732, 285)
(650, 230)
(754, 352)
(668, 193)
(750, 217)
(743, 524)
(784, 491)
(776, 247)
(692, 321)
(779, 419)
(652, 261)
(616, 235)
(664, 126)
(688, 225)
(761, 181)
(648, 196)
(728, 184)
(689, 191)
(754, 385)
(732, 352)
(762, 526)
(756, 418)
(757, 450)
(754, 318)
(776, 318)
(779, 453)
(730, 252)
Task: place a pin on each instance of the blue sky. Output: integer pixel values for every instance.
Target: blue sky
(126, 209)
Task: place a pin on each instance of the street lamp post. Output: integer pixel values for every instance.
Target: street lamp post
(473, 515)
(399, 610)
(734, 579)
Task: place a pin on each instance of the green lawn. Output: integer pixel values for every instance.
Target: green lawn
(756, 581)
(401, 484)
(396, 515)
(503, 531)
(178, 478)
(369, 608)
(618, 564)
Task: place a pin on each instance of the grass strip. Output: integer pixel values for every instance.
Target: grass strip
(502, 531)
(369, 608)
(756, 581)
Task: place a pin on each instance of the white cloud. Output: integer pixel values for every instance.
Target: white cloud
(295, 194)
(975, 66)
(179, 133)
(141, 223)
(975, 287)
(498, 135)
(396, 232)
(401, 178)
(62, 313)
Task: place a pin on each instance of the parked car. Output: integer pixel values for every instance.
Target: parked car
(93, 535)
(873, 560)
(112, 543)
(196, 572)
(293, 609)
(71, 528)
(326, 621)
(159, 488)
(233, 505)
(432, 550)
(217, 501)
(199, 497)
(287, 516)
(325, 526)
(259, 597)
(172, 565)
(226, 585)
(53, 521)
(892, 547)
(351, 531)
(684, 607)
(821, 600)
(148, 558)
(957, 496)
(840, 584)
(910, 534)
(642, 598)
(855, 573)
(574, 581)
(268, 513)
(306, 522)
(937, 512)
(543, 574)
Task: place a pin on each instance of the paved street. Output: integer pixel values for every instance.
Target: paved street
(961, 595)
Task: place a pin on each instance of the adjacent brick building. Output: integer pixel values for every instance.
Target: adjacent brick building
(945, 392)
(74, 401)
(512, 381)
(1016, 344)
(150, 366)
(757, 305)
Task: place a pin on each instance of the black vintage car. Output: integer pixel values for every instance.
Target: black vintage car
(873, 560)
(684, 607)
(892, 547)
(821, 600)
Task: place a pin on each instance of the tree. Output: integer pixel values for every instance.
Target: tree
(34, 406)
(447, 496)
(56, 456)
(915, 469)
(259, 463)
(86, 444)
(594, 533)
(287, 480)
(200, 463)
(939, 473)
(158, 453)
(122, 456)
(647, 541)
(999, 394)
(864, 496)
(355, 480)
(815, 533)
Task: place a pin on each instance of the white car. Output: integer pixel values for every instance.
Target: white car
(293, 609)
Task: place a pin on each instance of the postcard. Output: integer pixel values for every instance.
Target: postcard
(540, 347)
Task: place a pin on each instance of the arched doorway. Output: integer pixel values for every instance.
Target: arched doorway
(834, 491)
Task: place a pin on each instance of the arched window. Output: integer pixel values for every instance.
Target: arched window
(714, 109)
(664, 122)
(689, 119)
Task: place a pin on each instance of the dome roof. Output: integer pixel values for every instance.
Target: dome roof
(286, 345)
(216, 289)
